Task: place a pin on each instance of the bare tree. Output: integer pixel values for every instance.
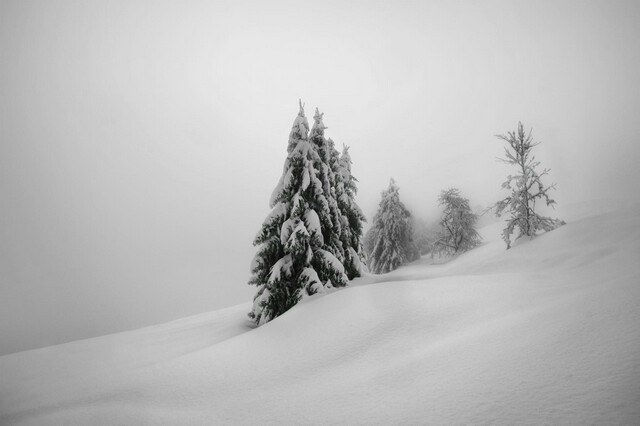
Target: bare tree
(458, 224)
(525, 188)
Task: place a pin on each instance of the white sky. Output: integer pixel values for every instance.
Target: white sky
(140, 141)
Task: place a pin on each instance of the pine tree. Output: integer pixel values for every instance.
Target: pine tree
(330, 217)
(391, 240)
(292, 261)
(525, 188)
(352, 216)
(458, 224)
(299, 130)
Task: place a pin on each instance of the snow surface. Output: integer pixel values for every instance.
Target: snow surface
(545, 333)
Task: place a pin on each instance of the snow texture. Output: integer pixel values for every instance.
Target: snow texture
(544, 333)
(331, 261)
(312, 222)
(284, 264)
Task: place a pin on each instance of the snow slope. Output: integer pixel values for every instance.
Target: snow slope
(545, 333)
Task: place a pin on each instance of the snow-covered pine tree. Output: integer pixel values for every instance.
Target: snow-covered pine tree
(352, 216)
(330, 217)
(334, 178)
(292, 261)
(525, 188)
(458, 224)
(391, 239)
(299, 130)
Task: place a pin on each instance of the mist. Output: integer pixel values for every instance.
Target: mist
(140, 141)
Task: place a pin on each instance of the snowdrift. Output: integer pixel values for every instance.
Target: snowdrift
(545, 333)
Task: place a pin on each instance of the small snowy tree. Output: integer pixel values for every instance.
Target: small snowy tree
(390, 240)
(352, 216)
(525, 188)
(299, 130)
(458, 224)
(292, 261)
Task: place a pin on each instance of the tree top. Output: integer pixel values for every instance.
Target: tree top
(319, 124)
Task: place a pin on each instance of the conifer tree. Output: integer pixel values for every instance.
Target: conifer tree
(525, 188)
(352, 216)
(292, 261)
(330, 216)
(391, 236)
(299, 130)
(458, 224)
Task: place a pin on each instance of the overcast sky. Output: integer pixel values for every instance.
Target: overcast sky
(140, 141)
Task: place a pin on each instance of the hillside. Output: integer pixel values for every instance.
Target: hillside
(544, 333)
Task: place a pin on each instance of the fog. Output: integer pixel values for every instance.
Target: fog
(140, 141)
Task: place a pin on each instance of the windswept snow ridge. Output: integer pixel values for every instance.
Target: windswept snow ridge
(545, 333)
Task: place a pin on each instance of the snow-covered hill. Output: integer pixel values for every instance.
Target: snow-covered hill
(545, 333)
